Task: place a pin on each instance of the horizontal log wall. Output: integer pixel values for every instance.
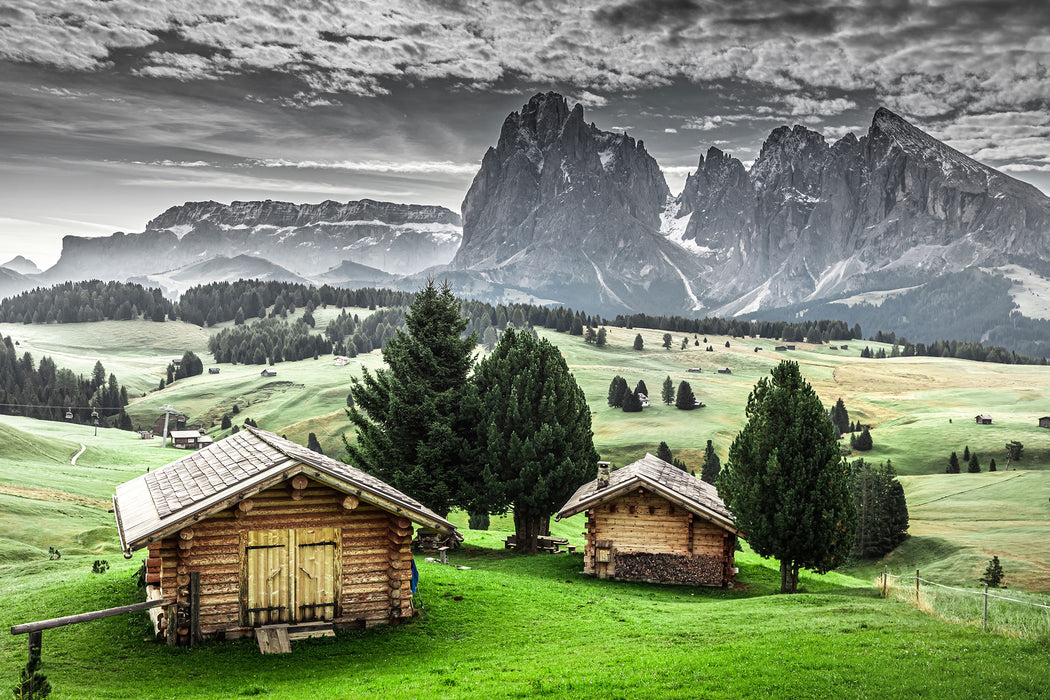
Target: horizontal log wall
(375, 576)
(644, 522)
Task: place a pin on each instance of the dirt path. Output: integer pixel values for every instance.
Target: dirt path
(74, 460)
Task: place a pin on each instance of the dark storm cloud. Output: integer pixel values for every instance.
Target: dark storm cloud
(648, 13)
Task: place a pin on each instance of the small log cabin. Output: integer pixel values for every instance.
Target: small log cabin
(255, 530)
(1044, 422)
(651, 521)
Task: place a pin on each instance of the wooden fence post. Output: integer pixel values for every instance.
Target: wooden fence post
(916, 586)
(885, 580)
(36, 642)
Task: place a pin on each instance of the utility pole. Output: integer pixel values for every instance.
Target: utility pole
(168, 412)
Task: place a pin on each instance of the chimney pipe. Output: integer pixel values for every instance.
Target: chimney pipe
(603, 474)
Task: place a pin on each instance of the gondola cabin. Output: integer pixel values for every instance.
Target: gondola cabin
(651, 521)
(254, 530)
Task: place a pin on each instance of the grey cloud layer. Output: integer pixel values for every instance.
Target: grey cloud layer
(926, 59)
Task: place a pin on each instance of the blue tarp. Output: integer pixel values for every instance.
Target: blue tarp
(415, 577)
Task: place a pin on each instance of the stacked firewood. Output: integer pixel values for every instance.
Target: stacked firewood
(669, 568)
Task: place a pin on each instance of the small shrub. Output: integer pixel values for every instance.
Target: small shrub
(100, 566)
(53, 554)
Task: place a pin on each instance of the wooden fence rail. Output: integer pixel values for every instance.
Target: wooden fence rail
(35, 630)
(85, 617)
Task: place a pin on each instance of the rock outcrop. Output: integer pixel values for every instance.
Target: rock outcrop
(572, 213)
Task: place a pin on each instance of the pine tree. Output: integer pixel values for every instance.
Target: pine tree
(590, 336)
(617, 390)
(668, 340)
(640, 388)
(991, 464)
(664, 452)
(840, 416)
(863, 442)
(667, 393)
(602, 339)
(784, 467)
(32, 684)
(226, 422)
(638, 342)
(534, 430)
(313, 443)
(685, 400)
(993, 574)
(712, 465)
(631, 403)
(413, 429)
(975, 465)
(953, 464)
(966, 454)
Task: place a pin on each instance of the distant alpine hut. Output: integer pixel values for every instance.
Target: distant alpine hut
(213, 370)
(983, 419)
(186, 439)
(255, 531)
(340, 360)
(1044, 422)
(268, 373)
(651, 521)
(724, 370)
(780, 348)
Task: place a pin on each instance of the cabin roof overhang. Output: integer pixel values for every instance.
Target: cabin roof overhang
(590, 496)
(140, 522)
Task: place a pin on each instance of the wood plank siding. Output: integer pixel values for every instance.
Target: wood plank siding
(642, 522)
(296, 555)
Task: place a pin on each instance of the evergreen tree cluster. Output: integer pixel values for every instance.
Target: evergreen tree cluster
(976, 352)
(514, 434)
(47, 391)
(970, 459)
(269, 340)
(862, 442)
(840, 417)
(216, 302)
(349, 335)
(81, 302)
(823, 329)
(882, 513)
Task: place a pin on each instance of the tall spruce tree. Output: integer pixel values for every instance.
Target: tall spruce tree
(602, 338)
(667, 393)
(685, 400)
(534, 431)
(664, 453)
(413, 427)
(882, 514)
(638, 342)
(785, 482)
(617, 390)
(974, 466)
(711, 466)
(953, 464)
(631, 403)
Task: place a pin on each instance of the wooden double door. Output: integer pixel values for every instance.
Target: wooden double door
(291, 576)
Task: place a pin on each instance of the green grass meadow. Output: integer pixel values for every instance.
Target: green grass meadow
(514, 626)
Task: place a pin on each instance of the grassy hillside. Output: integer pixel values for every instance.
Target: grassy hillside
(920, 409)
(512, 626)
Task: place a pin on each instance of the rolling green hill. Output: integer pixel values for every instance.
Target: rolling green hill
(920, 410)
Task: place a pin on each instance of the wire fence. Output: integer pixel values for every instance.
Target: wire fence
(1018, 614)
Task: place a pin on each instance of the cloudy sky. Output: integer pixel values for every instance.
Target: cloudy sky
(114, 110)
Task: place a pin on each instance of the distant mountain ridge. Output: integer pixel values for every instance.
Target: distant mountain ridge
(305, 239)
(562, 212)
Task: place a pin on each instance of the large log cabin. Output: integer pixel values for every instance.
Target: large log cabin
(651, 521)
(255, 531)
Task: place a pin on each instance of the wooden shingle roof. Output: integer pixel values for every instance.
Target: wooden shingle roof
(166, 499)
(654, 474)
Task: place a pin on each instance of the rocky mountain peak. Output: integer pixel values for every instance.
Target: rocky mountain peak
(22, 265)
